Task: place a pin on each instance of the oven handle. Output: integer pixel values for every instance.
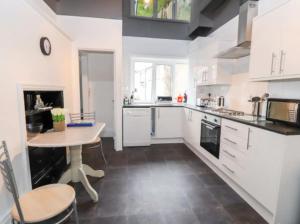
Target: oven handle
(210, 126)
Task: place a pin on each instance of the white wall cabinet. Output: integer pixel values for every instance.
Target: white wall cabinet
(214, 72)
(192, 127)
(275, 47)
(168, 122)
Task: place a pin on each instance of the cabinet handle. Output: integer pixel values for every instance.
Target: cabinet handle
(158, 113)
(248, 139)
(235, 129)
(282, 61)
(191, 115)
(272, 63)
(227, 168)
(230, 154)
(230, 141)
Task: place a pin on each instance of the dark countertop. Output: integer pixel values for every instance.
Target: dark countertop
(261, 123)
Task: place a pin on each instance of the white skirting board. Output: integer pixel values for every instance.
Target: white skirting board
(166, 140)
(240, 191)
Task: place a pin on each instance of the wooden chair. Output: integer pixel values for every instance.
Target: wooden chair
(53, 203)
(89, 117)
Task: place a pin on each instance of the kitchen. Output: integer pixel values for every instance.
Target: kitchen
(205, 112)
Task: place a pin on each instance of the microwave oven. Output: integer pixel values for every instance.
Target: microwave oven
(285, 111)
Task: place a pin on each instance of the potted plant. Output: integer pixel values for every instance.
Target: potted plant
(58, 117)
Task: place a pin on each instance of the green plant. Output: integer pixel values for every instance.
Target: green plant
(58, 114)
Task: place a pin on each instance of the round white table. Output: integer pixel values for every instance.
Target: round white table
(73, 138)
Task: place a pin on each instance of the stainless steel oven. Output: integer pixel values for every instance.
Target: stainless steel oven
(210, 134)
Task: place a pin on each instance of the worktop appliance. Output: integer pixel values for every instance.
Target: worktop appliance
(285, 111)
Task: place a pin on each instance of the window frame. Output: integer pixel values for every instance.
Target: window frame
(155, 61)
(155, 13)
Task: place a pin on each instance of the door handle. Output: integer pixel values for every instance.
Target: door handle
(248, 140)
(234, 129)
(273, 62)
(230, 154)
(282, 61)
(227, 168)
(228, 140)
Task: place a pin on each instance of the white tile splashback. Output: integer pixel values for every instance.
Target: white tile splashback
(285, 89)
(238, 93)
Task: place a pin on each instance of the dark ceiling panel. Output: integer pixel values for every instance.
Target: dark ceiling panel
(110, 9)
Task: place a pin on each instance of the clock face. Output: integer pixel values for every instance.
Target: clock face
(45, 46)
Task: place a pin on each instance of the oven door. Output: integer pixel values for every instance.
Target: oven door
(210, 137)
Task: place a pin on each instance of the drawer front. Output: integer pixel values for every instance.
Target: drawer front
(231, 168)
(235, 129)
(234, 155)
(234, 141)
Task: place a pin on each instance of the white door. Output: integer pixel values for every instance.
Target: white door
(290, 51)
(168, 122)
(98, 88)
(262, 178)
(265, 47)
(187, 135)
(195, 128)
(85, 85)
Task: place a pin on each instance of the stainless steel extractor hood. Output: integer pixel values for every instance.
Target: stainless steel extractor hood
(248, 11)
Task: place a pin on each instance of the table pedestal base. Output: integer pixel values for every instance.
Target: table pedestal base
(78, 172)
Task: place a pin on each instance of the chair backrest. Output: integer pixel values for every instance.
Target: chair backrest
(9, 177)
(78, 117)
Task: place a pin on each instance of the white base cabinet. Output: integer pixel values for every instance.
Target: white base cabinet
(266, 165)
(168, 122)
(192, 127)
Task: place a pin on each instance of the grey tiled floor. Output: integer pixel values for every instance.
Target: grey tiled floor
(159, 184)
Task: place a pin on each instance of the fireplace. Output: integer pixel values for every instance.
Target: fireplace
(46, 164)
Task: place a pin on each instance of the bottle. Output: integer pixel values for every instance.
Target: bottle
(185, 97)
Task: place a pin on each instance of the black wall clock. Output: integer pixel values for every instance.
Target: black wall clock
(45, 46)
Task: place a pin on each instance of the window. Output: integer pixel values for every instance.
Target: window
(162, 9)
(144, 8)
(183, 10)
(165, 9)
(163, 80)
(152, 78)
(143, 81)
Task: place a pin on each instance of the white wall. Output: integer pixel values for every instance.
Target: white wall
(23, 63)
(152, 48)
(99, 35)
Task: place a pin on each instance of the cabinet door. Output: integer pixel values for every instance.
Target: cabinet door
(168, 122)
(265, 47)
(195, 128)
(187, 125)
(264, 159)
(290, 52)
